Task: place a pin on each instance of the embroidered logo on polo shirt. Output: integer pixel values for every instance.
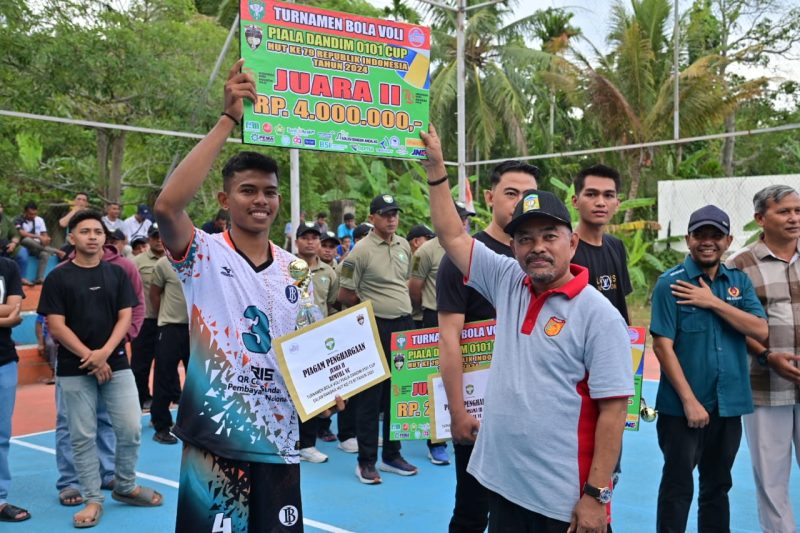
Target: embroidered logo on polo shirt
(554, 326)
(734, 291)
(530, 203)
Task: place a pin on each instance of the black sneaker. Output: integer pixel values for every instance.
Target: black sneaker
(367, 474)
(165, 437)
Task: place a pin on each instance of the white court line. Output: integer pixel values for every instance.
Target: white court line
(169, 483)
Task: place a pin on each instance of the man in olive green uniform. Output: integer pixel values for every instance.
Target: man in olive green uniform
(143, 347)
(166, 298)
(326, 288)
(422, 288)
(378, 269)
(417, 236)
(327, 250)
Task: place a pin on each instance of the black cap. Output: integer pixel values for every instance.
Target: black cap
(153, 230)
(330, 236)
(463, 212)
(383, 203)
(138, 240)
(710, 215)
(116, 235)
(143, 209)
(361, 230)
(538, 204)
(307, 227)
(420, 230)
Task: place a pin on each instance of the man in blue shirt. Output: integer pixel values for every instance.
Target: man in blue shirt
(702, 311)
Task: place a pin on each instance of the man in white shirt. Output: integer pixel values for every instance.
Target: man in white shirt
(111, 220)
(35, 239)
(138, 224)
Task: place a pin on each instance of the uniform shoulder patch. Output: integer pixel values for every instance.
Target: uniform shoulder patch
(415, 264)
(347, 270)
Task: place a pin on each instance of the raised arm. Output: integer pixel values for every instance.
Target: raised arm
(446, 222)
(175, 226)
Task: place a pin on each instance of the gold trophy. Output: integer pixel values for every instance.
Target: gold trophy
(647, 413)
(309, 312)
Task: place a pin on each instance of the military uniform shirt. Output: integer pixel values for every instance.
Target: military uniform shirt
(425, 265)
(146, 264)
(325, 284)
(377, 270)
(173, 305)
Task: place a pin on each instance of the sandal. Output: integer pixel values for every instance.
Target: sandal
(10, 513)
(142, 498)
(93, 521)
(70, 494)
(108, 485)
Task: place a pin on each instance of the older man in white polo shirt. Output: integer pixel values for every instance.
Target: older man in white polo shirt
(561, 376)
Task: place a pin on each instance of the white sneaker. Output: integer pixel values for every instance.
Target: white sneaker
(312, 455)
(350, 445)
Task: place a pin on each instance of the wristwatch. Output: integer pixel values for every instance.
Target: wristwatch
(602, 495)
(763, 357)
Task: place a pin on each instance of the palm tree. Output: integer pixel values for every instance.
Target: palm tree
(500, 71)
(630, 94)
(552, 27)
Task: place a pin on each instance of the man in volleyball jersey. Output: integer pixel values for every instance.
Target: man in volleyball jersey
(239, 470)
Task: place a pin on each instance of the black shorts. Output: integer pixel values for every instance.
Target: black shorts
(219, 495)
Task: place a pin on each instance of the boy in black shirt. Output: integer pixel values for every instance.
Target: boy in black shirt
(596, 200)
(88, 305)
(458, 304)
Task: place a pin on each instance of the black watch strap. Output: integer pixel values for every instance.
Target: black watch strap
(763, 357)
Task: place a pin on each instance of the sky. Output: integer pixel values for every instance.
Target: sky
(592, 17)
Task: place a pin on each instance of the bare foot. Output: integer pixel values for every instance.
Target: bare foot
(88, 514)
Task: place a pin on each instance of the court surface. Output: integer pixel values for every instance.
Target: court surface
(334, 500)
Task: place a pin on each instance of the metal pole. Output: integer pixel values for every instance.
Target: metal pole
(294, 192)
(676, 126)
(461, 15)
(294, 189)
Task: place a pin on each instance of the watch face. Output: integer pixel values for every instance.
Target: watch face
(605, 495)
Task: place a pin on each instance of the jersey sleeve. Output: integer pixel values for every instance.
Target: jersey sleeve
(607, 355)
(188, 265)
(664, 314)
(489, 272)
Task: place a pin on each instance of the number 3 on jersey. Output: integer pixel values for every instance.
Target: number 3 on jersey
(221, 524)
(257, 340)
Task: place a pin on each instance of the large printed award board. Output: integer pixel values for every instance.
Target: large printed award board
(415, 366)
(334, 81)
(415, 355)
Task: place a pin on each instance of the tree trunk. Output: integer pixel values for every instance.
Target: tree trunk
(552, 121)
(117, 156)
(636, 176)
(728, 146)
(102, 160)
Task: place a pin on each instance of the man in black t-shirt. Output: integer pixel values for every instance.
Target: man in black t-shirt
(596, 199)
(10, 301)
(596, 190)
(458, 304)
(88, 303)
